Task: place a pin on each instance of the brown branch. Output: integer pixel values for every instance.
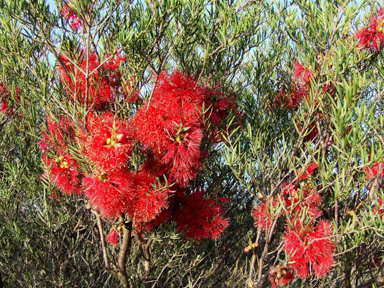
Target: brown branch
(103, 246)
(147, 259)
(124, 250)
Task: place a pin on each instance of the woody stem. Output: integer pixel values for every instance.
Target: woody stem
(124, 251)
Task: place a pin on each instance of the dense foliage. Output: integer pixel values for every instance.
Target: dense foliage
(191, 143)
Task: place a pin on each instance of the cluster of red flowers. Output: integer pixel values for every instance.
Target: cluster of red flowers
(372, 37)
(280, 275)
(375, 170)
(104, 82)
(300, 88)
(4, 95)
(308, 245)
(302, 79)
(376, 173)
(168, 129)
(73, 20)
(174, 135)
(310, 248)
(64, 170)
(200, 217)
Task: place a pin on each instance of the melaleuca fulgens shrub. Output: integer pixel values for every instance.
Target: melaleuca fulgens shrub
(167, 131)
(131, 99)
(165, 137)
(135, 101)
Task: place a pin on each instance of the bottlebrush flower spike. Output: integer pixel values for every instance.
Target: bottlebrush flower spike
(280, 275)
(110, 142)
(172, 127)
(184, 156)
(64, 172)
(292, 99)
(371, 172)
(114, 63)
(310, 248)
(217, 105)
(301, 75)
(110, 194)
(163, 218)
(312, 134)
(74, 21)
(3, 106)
(264, 214)
(200, 217)
(100, 92)
(177, 88)
(176, 101)
(301, 201)
(112, 237)
(380, 209)
(372, 37)
(309, 172)
(148, 201)
(4, 95)
(58, 135)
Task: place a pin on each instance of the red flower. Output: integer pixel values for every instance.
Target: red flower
(3, 106)
(380, 209)
(175, 103)
(312, 134)
(200, 217)
(310, 248)
(301, 201)
(112, 237)
(113, 63)
(184, 157)
(292, 99)
(280, 275)
(148, 201)
(58, 135)
(300, 88)
(64, 172)
(311, 170)
(74, 21)
(372, 37)
(163, 218)
(111, 194)
(217, 105)
(110, 142)
(100, 92)
(172, 127)
(302, 76)
(371, 172)
(264, 214)
(4, 95)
